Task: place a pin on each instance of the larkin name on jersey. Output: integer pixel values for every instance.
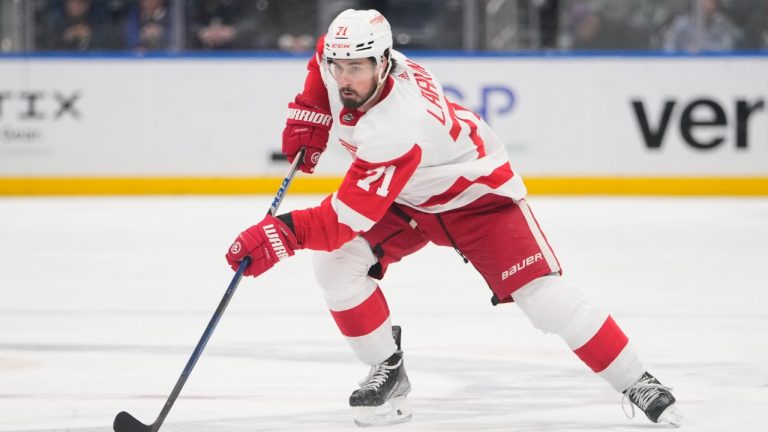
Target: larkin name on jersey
(414, 147)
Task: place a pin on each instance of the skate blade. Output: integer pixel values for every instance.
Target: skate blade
(395, 411)
(671, 416)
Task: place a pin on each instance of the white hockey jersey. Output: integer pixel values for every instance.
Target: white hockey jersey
(416, 148)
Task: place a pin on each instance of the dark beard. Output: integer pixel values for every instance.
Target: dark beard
(355, 104)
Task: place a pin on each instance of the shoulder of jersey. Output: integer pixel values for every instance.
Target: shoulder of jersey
(386, 134)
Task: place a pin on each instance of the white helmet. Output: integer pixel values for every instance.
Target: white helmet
(355, 34)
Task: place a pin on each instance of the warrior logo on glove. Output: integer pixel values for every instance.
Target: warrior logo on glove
(268, 242)
(306, 127)
(277, 245)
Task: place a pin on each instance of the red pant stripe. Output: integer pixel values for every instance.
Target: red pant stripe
(600, 351)
(363, 318)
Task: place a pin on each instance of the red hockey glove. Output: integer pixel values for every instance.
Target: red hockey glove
(307, 126)
(267, 242)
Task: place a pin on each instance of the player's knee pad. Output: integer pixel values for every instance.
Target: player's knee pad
(554, 307)
(343, 273)
(548, 302)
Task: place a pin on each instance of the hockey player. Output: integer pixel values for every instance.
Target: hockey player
(424, 169)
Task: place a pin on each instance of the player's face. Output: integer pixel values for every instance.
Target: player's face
(356, 79)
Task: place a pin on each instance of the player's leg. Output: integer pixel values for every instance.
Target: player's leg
(356, 302)
(529, 273)
(361, 312)
(558, 308)
(594, 336)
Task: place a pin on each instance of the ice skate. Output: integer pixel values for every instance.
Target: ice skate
(654, 399)
(382, 397)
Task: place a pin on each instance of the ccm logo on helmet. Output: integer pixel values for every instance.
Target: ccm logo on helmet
(340, 45)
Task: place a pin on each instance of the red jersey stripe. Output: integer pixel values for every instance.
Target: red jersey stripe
(498, 177)
(475, 137)
(455, 126)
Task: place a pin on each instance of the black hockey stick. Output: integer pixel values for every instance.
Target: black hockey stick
(125, 422)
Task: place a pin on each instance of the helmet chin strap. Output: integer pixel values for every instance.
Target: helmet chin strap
(380, 81)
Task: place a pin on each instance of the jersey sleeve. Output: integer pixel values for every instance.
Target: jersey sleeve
(315, 94)
(369, 188)
(318, 228)
(365, 195)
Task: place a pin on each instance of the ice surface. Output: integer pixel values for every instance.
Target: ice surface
(103, 299)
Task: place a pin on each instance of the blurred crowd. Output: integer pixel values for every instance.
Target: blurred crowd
(293, 25)
(83, 25)
(670, 25)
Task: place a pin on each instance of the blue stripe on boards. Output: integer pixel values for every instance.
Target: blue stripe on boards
(240, 55)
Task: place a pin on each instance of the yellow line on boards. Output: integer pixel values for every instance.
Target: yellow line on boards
(673, 186)
(160, 185)
(679, 186)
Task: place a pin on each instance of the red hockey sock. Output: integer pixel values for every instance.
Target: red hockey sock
(603, 348)
(363, 318)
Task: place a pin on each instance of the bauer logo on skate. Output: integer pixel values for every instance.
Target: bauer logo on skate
(521, 265)
(274, 240)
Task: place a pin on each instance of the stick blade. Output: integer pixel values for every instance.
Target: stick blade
(125, 422)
